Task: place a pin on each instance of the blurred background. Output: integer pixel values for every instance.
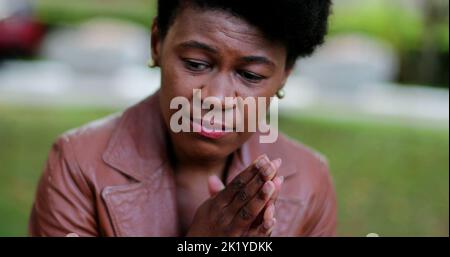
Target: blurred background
(374, 99)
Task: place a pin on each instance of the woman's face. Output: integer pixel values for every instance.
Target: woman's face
(223, 56)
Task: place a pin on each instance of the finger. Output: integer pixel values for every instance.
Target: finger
(269, 212)
(278, 184)
(278, 181)
(263, 230)
(249, 191)
(225, 197)
(268, 172)
(268, 228)
(215, 185)
(266, 215)
(248, 213)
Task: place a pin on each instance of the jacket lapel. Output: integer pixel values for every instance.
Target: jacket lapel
(137, 147)
(147, 206)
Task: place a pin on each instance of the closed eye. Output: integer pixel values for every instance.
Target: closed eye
(195, 65)
(251, 76)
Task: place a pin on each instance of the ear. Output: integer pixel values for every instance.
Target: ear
(155, 42)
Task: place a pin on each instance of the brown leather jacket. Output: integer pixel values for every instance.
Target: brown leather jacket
(112, 178)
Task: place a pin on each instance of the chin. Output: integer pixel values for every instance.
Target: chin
(198, 147)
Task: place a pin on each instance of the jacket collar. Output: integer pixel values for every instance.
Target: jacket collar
(138, 146)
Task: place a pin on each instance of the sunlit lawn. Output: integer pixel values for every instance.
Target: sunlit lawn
(390, 179)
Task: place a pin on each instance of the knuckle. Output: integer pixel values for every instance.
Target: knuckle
(246, 214)
(260, 181)
(242, 195)
(261, 196)
(237, 184)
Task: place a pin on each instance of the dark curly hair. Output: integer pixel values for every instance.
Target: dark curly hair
(300, 25)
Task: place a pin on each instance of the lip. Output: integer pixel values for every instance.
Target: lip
(208, 132)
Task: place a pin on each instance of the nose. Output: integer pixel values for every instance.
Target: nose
(217, 89)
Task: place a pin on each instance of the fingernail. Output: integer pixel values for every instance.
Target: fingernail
(279, 180)
(261, 161)
(268, 188)
(277, 163)
(267, 171)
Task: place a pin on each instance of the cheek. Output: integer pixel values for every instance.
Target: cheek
(172, 85)
(172, 81)
(175, 80)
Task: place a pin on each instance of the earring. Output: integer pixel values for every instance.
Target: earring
(151, 63)
(281, 94)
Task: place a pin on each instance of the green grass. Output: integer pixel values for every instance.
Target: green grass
(57, 12)
(391, 179)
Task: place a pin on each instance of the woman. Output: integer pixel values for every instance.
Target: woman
(133, 175)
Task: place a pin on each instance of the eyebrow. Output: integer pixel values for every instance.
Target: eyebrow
(199, 45)
(246, 59)
(258, 60)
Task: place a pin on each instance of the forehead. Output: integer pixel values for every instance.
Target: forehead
(223, 31)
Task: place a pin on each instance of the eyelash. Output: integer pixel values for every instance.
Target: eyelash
(193, 65)
(250, 76)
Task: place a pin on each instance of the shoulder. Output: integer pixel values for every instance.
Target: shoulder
(113, 143)
(91, 137)
(65, 188)
(82, 148)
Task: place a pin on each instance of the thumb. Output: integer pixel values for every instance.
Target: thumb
(215, 185)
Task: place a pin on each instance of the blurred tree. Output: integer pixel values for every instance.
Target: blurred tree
(430, 67)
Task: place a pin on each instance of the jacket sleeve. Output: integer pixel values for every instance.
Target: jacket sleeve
(64, 201)
(320, 220)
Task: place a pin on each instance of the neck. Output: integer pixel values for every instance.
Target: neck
(211, 166)
(184, 164)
